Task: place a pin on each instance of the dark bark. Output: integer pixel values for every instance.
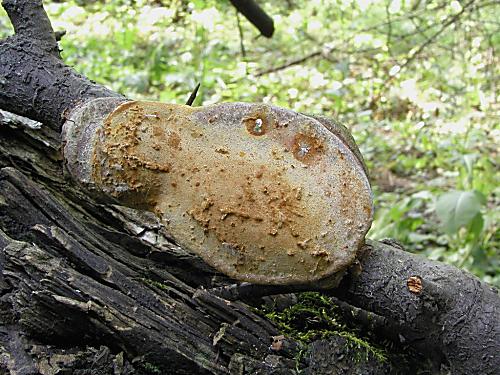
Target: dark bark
(86, 283)
(254, 13)
(31, 22)
(38, 85)
(70, 282)
(34, 82)
(454, 318)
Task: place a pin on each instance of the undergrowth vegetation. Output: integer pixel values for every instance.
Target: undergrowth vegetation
(416, 82)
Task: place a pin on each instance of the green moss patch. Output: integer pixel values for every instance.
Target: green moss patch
(315, 317)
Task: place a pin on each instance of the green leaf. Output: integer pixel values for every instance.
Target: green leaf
(456, 209)
(469, 160)
(476, 226)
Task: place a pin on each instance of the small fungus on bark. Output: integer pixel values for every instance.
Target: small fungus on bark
(414, 284)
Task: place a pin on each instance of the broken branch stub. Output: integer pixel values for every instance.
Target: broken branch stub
(263, 194)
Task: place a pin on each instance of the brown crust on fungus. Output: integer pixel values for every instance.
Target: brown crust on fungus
(279, 200)
(307, 148)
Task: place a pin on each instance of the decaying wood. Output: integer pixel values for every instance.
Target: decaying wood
(98, 288)
(81, 279)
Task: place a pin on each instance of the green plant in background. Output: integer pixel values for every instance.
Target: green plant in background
(467, 222)
(461, 217)
(400, 217)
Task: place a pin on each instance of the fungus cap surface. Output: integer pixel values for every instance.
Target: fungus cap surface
(263, 194)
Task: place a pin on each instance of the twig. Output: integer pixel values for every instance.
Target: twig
(377, 324)
(240, 30)
(390, 37)
(400, 18)
(59, 34)
(192, 97)
(289, 64)
(246, 291)
(311, 55)
(451, 20)
(389, 28)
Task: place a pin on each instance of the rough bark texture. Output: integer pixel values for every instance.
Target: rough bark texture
(78, 274)
(454, 317)
(88, 288)
(32, 73)
(23, 61)
(71, 280)
(31, 22)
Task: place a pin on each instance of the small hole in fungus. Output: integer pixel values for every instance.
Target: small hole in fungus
(255, 125)
(306, 148)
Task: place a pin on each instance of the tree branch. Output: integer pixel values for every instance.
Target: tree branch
(66, 259)
(31, 22)
(448, 22)
(256, 15)
(289, 64)
(451, 315)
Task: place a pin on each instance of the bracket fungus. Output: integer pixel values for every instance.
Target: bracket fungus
(263, 194)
